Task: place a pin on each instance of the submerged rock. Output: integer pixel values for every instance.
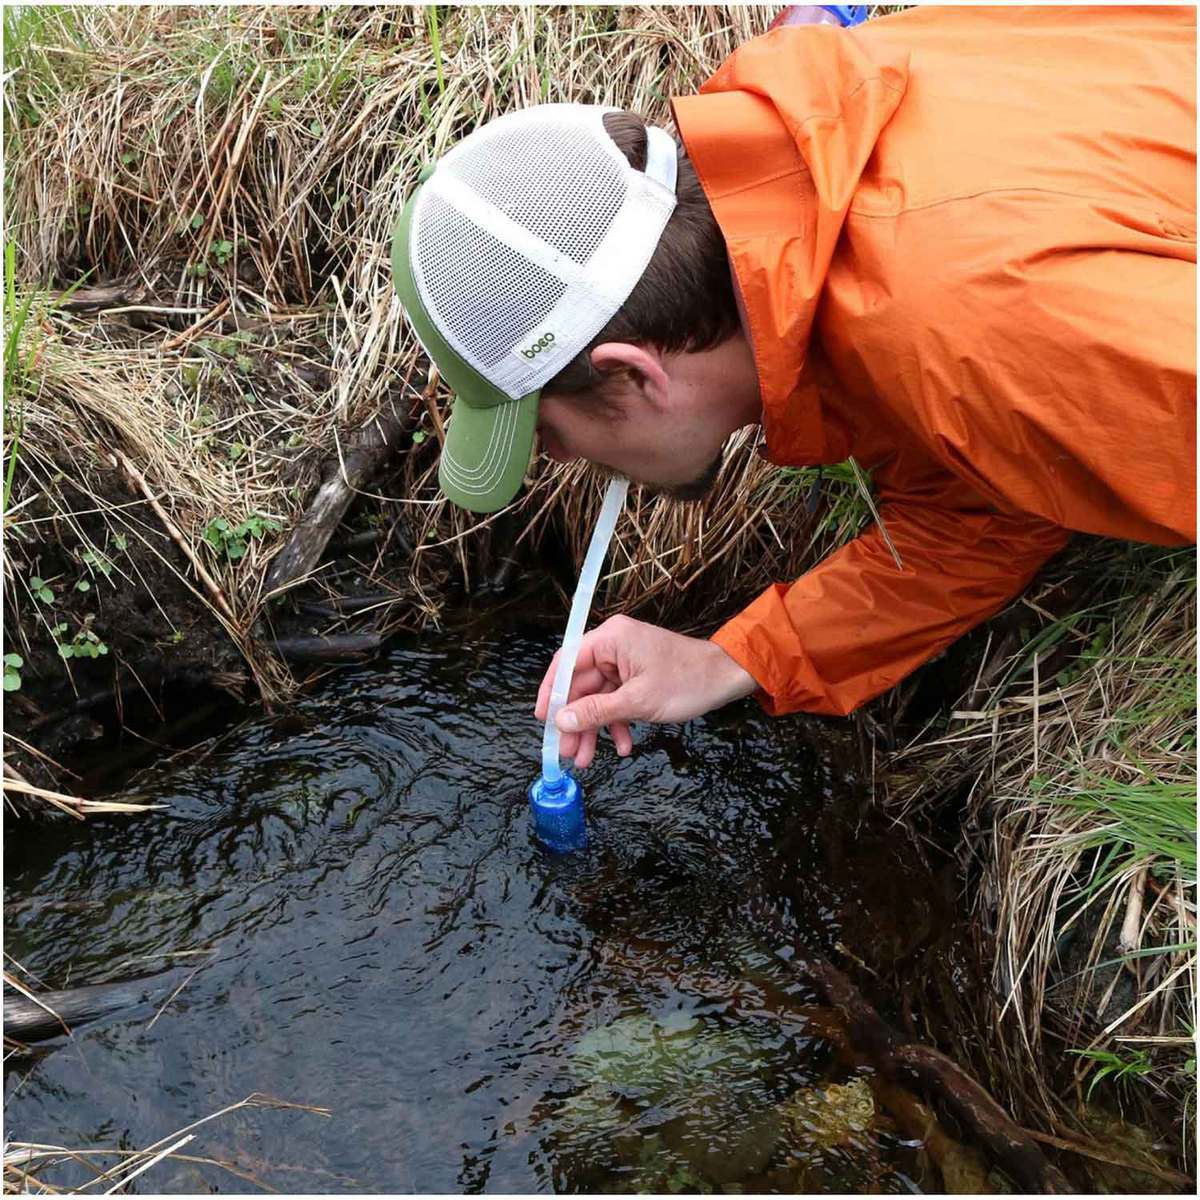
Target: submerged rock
(838, 1114)
(700, 1086)
(656, 1058)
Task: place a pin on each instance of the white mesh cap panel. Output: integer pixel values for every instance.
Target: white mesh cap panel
(529, 236)
(501, 304)
(579, 190)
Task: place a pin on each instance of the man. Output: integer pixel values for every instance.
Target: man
(955, 244)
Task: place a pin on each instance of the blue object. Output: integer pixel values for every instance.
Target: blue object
(847, 14)
(558, 813)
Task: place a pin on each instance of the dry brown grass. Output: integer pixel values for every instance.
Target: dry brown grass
(256, 158)
(1077, 764)
(31, 1167)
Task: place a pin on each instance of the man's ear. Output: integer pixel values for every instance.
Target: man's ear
(641, 365)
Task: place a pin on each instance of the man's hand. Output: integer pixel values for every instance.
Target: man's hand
(630, 671)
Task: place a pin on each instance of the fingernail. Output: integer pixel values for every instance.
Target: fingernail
(568, 722)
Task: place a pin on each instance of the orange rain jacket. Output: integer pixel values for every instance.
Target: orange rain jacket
(965, 245)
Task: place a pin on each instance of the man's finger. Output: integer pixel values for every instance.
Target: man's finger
(587, 749)
(543, 696)
(583, 683)
(601, 708)
(622, 738)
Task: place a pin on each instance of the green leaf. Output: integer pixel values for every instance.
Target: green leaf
(419, 436)
(197, 220)
(128, 157)
(235, 550)
(45, 595)
(120, 541)
(83, 586)
(66, 651)
(14, 660)
(315, 128)
(12, 681)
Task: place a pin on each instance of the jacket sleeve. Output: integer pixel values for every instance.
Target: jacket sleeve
(857, 624)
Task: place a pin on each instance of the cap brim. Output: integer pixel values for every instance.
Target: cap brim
(487, 451)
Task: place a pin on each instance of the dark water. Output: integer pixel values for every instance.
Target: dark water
(388, 942)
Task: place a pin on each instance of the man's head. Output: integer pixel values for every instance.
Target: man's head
(562, 267)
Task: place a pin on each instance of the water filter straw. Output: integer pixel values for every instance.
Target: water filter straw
(581, 605)
(556, 797)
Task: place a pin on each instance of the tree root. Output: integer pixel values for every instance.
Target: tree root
(871, 1040)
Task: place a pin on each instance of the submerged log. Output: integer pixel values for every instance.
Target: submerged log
(349, 647)
(55, 1013)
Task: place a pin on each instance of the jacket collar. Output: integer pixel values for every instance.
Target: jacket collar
(779, 138)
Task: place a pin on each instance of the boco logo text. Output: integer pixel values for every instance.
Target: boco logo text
(543, 343)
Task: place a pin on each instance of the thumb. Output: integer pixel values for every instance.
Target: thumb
(595, 711)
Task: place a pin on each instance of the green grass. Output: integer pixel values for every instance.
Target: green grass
(38, 60)
(838, 495)
(1150, 818)
(16, 366)
(435, 45)
(1114, 1067)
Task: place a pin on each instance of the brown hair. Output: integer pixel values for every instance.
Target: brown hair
(684, 299)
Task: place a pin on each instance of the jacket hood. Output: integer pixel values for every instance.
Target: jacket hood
(779, 138)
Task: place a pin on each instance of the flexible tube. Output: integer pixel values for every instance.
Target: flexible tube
(581, 604)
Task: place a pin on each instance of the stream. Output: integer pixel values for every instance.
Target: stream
(380, 936)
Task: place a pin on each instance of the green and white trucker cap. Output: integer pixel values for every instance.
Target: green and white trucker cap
(514, 251)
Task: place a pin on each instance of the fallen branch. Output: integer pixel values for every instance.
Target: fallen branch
(96, 299)
(345, 478)
(32, 1016)
(344, 606)
(39, 1012)
(870, 1038)
(192, 330)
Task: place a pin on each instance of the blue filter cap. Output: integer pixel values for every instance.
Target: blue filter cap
(558, 813)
